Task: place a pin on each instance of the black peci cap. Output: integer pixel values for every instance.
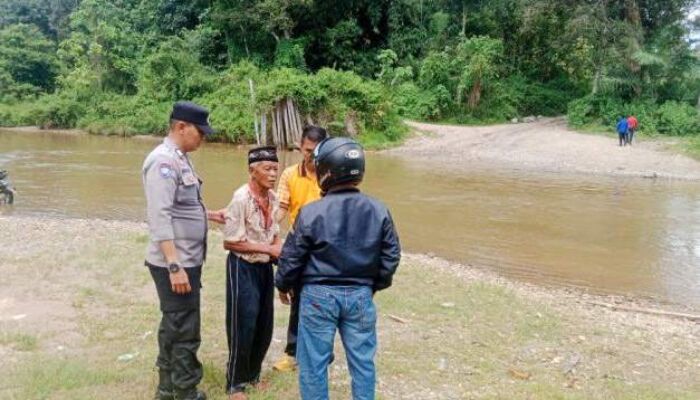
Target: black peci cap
(265, 153)
(195, 114)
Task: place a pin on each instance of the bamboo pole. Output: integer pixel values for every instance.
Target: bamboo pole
(285, 111)
(255, 113)
(273, 117)
(290, 132)
(283, 117)
(300, 126)
(293, 118)
(280, 125)
(263, 128)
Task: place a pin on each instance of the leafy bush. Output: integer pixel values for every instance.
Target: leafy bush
(16, 114)
(645, 112)
(595, 109)
(330, 98)
(126, 115)
(232, 113)
(290, 54)
(670, 118)
(173, 73)
(416, 103)
(535, 98)
(57, 111)
(674, 118)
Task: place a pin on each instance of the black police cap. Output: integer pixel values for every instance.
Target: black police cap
(195, 114)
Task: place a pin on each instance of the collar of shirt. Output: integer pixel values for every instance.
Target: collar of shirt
(171, 145)
(303, 172)
(343, 190)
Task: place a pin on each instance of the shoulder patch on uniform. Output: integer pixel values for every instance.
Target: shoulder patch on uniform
(165, 170)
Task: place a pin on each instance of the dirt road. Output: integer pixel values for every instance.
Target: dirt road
(547, 145)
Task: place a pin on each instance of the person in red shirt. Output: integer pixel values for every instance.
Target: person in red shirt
(631, 128)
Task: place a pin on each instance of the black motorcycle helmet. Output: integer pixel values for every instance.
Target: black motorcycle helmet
(339, 160)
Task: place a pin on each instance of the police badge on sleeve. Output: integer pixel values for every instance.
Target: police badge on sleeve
(166, 170)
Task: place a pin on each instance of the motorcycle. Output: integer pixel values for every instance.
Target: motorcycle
(7, 192)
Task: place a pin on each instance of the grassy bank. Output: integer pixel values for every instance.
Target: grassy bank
(78, 315)
(691, 147)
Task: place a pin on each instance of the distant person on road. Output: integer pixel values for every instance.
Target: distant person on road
(631, 128)
(622, 127)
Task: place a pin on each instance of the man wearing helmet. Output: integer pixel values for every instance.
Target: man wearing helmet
(342, 249)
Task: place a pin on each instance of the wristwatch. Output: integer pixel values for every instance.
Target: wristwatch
(174, 267)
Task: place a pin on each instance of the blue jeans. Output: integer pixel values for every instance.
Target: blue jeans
(323, 310)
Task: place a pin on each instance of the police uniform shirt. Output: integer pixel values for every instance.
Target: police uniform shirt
(174, 206)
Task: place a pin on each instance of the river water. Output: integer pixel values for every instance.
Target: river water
(616, 235)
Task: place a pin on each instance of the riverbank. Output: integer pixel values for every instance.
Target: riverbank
(547, 145)
(78, 315)
(372, 141)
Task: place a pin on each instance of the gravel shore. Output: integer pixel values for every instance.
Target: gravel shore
(76, 295)
(546, 145)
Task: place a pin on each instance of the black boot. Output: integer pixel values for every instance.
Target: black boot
(165, 386)
(191, 394)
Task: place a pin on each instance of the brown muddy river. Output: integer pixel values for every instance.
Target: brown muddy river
(613, 235)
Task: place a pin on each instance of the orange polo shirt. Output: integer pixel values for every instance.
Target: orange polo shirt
(297, 188)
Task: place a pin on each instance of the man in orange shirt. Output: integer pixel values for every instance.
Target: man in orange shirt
(631, 128)
(298, 187)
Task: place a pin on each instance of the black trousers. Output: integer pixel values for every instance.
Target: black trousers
(179, 332)
(293, 327)
(249, 320)
(623, 138)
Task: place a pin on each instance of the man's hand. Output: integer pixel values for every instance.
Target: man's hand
(180, 282)
(275, 250)
(218, 216)
(286, 297)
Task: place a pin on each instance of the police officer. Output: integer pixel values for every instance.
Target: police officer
(177, 222)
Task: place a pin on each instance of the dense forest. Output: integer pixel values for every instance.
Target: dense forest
(355, 66)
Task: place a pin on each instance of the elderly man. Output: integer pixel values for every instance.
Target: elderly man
(177, 222)
(298, 187)
(251, 235)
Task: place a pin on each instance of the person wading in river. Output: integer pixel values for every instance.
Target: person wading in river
(251, 234)
(341, 250)
(298, 187)
(177, 222)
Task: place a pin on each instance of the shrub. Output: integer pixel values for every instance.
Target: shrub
(674, 118)
(412, 102)
(16, 114)
(57, 111)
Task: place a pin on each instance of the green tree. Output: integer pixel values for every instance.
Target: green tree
(173, 73)
(28, 63)
(104, 40)
(478, 58)
(51, 16)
